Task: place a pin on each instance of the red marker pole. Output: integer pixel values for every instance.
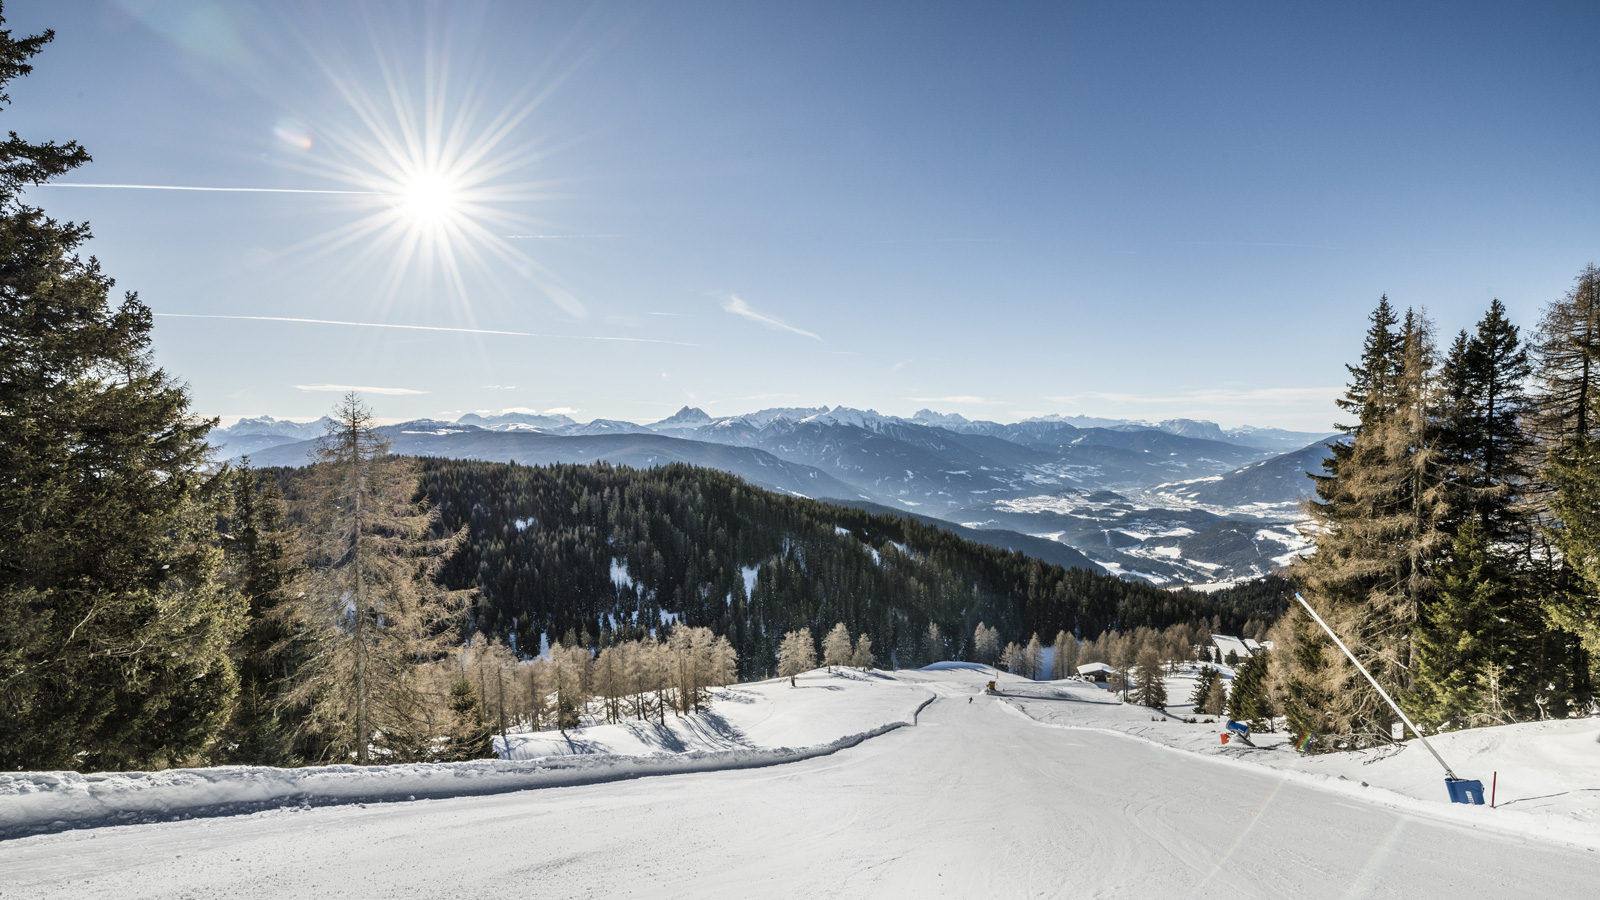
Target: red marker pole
(1493, 785)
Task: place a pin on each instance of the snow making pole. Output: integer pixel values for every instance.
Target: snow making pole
(1450, 775)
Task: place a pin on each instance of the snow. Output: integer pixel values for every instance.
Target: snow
(619, 573)
(1548, 785)
(1052, 789)
(748, 725)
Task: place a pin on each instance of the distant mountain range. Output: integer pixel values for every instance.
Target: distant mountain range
(1175, 501)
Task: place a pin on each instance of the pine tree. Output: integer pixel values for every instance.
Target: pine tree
(370, 611)
(114, 621)
(836, 650)
(1150, 687)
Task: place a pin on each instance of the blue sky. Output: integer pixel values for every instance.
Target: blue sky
(1133, 210)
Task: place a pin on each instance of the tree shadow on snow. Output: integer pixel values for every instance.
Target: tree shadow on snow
(713, 731)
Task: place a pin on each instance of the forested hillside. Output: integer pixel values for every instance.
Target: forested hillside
(609, 551)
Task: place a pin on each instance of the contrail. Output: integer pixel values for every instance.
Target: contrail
(184, 187)
(581, 337)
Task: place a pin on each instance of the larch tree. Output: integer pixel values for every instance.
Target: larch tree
(1033, 658)
(985, 645)
(1064, 660)
(1216, 700)
(1378, 528)
(1566, 428)
(115, 622)
(862, 657)
(371, 609)
(933, 649)
(836, 649)
(797, 654)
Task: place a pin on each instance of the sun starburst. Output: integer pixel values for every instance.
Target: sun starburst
(443, 171)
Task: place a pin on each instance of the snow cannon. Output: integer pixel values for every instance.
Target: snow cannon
(990, 688)
(1238, 730)
(1464, 790)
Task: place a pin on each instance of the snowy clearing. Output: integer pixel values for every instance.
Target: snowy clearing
(984, 796)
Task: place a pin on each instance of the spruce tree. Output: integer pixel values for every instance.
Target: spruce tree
(1202, 687)
(1248, 700)
(1463, 632)
(264, 561)
(114, 621)
(1150, 687)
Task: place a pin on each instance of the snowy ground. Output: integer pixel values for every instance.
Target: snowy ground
(984, 796)
(1549, 772)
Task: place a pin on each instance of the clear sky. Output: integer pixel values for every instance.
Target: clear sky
(1002, 210)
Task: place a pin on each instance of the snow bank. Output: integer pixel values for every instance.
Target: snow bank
(793, 724)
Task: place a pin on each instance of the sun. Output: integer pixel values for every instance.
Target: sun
(430, 200)
(439, 177)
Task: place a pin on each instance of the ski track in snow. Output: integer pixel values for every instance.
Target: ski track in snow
(978, 799)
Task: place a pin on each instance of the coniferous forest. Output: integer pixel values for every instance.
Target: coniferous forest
(611, 552)
(1456, 548)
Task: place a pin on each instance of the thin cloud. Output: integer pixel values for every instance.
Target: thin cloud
(360, 389)
(187, 187)
(960, 398)
(548, 237)
(499, 387)
(1221, 397)
(738, 307)
(301, 321)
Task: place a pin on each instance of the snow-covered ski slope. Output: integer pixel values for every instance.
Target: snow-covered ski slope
(979, 798)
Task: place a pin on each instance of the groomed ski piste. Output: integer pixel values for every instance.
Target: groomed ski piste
(902, 784)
